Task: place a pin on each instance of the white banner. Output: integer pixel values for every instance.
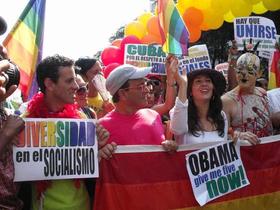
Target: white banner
(56, 149)
(142, 55)
(215, 171)
(259, 29)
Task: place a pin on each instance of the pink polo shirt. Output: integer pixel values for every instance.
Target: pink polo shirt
(144, 127)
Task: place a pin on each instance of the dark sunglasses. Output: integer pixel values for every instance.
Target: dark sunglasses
(82, 90)
(154, 82)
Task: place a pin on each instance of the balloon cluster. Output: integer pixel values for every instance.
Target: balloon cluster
(199, 15)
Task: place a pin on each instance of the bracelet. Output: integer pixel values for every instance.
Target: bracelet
(171, 85)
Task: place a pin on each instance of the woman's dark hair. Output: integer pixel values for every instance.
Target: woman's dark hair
(84, 64)
(214, 114)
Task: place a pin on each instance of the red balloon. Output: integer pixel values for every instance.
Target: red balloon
(111, 54)
(108, 69)
(131, 39)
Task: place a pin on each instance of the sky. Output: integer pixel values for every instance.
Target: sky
(76, 28)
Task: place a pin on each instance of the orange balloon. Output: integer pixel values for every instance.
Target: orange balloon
(195, 34)
(151, 39)
(116, 42)
(153, 26)
(193, 17)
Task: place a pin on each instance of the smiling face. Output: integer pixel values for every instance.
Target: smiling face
(136, 94)
(63, 91)
(202, 88)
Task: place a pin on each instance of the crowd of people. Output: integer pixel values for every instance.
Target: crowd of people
(134, 107)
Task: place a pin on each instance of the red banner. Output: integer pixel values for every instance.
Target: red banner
(152, 179)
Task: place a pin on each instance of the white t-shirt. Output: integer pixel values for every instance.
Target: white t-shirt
(274, 100)
(179, 126)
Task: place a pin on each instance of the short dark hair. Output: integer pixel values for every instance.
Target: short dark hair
(84, 64)
(116, 97)
(49, 68)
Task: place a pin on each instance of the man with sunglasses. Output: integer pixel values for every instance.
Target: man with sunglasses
(90, 68)
(81, 98)
(129, 123)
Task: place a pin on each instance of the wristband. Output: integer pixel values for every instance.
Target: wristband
(171, 84)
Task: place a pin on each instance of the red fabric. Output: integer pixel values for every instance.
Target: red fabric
(274, 69)
(37, 109)
(158, 180)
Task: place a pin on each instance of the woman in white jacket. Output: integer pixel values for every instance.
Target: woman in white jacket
(197, 115)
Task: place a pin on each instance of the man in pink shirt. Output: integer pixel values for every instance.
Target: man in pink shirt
(129, 123)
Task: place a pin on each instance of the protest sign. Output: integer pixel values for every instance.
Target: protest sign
(56, 149)
(223, 68)
(142, 55)
(215, 171)
(198, 58)
(256, 28)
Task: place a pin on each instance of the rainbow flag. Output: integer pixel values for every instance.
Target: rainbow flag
(174, 32)
(151, 179)
(274, 74)
(25, 42)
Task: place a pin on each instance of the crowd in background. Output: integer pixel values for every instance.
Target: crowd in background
(135, 107)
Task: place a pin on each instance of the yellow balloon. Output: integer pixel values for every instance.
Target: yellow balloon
(212, 20)
(271, 5)
(182, 5)
(229, 17)
(252, 2)
(259, 8)
(241, 8)
(135, 28)
(204, 27)
(145, 17)
(220, 6)
(202, 4)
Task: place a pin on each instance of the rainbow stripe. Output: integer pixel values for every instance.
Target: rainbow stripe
(25, 41)
(274, 74)
(157, 180)
(174, 32)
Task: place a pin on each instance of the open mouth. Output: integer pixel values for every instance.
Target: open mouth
(244, 80)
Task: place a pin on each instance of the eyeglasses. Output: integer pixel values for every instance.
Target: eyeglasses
(82, 90)
(142, 87)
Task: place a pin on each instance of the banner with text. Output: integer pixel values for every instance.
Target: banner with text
(147, 177)
(216, 171)
(142, 55)
(56, 149)
(259, 29)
